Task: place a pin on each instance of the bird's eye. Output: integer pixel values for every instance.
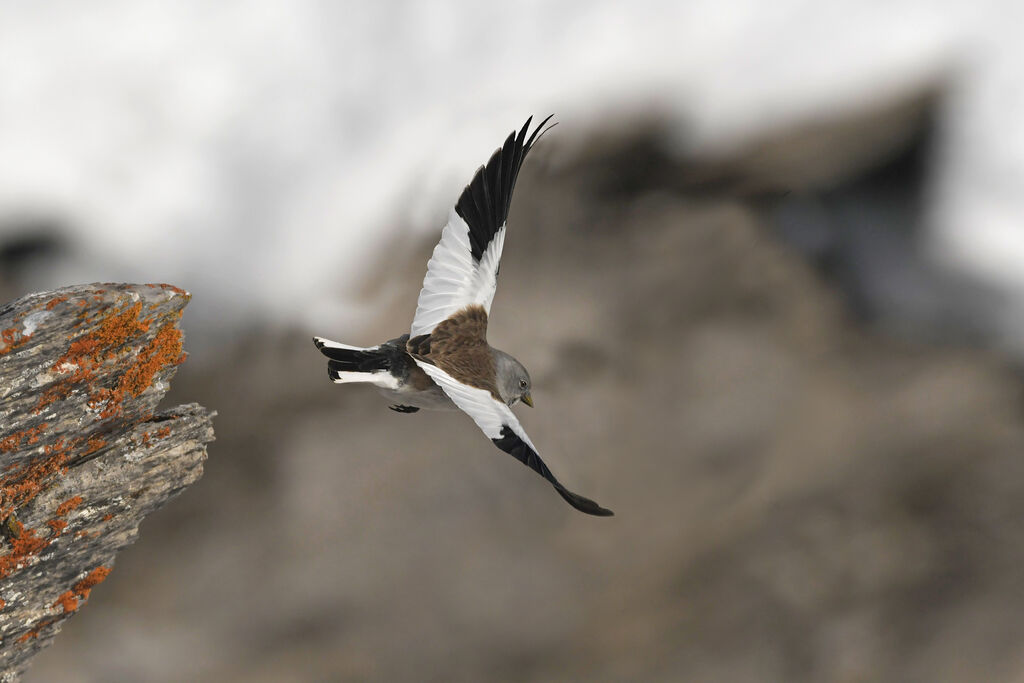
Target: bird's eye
(522, 384)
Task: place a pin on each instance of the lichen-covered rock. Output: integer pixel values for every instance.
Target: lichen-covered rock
(83, 454)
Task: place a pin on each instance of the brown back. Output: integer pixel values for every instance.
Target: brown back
(458, 345)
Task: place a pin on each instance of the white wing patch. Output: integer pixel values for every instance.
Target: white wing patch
(380, 378)
(488, 414)
(500, 425)
(324, 343)
(454, 279)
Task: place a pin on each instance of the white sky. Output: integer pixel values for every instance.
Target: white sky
(257, 151)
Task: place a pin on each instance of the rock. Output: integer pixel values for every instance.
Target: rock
(84, 455)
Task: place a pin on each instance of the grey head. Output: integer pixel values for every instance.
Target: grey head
(513, 379)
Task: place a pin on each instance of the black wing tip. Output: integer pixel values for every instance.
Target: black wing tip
(540, 129)
(485, 201)
(321, 345)
(584, 504)
(511, 443)
(335, 354)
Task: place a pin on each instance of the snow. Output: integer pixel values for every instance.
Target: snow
(261, 153)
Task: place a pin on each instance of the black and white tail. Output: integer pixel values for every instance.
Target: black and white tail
(354, 364)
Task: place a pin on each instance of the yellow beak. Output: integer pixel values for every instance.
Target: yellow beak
(527, 399)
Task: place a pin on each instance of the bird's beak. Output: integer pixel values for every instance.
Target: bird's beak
(528, 400)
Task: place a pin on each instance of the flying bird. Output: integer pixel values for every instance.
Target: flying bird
(445, 361)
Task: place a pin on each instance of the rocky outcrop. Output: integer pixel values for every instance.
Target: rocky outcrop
(84, 453)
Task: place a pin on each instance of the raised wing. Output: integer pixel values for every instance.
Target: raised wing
(500, 425)
(463, 269)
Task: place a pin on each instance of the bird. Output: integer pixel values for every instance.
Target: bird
(445, 361)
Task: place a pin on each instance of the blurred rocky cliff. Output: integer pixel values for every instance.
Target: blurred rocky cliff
(811, 483)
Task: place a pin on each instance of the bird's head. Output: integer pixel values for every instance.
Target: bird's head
(513, 379)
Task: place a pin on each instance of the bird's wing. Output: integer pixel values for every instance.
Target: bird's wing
(463, 269)
(500, 425)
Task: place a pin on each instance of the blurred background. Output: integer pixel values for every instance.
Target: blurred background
(765, 274)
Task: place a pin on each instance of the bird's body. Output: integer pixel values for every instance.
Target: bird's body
(445, 361)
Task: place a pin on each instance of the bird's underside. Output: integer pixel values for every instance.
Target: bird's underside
(445, 361)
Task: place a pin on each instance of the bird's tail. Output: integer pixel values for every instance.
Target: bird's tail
(355, 364)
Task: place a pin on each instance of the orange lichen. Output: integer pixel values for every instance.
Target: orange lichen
(92, 579)
(12, 338)
(88, 353)
(172, 288)
(103, 401)
(53, 394)
(25, 482)
(68, 601)
(34, 633)
(107, 517)
(3, 603)
(163, 433)
(33, 437)
(17, 488)
(93, 444)
(163, 350)
(52, 303)
(118, 328)
(29, 436)
(68, 505)
(57, 526)
(25, 545)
